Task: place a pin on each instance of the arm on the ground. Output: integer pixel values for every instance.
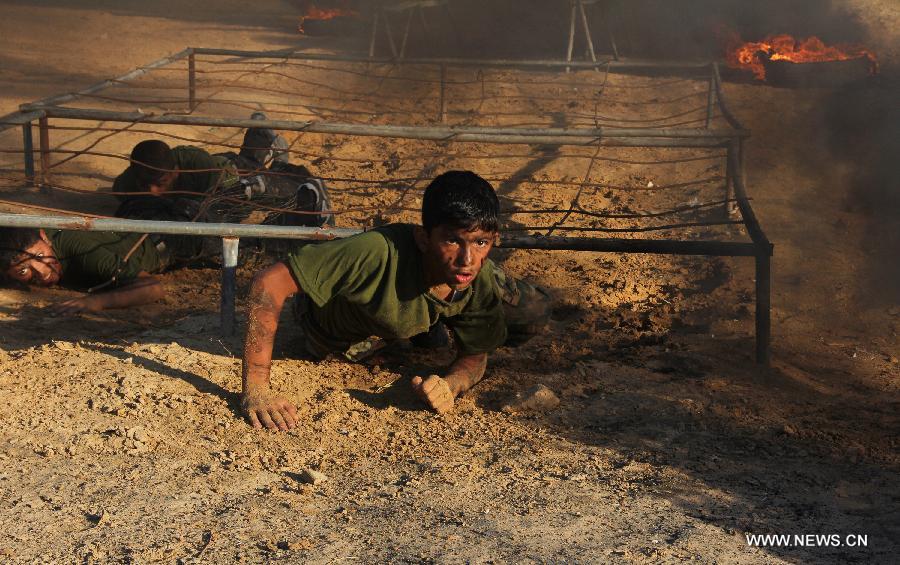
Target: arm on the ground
(142, 290)
(268, 293)
(440, 392)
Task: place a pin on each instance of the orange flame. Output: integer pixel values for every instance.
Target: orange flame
(314, 13)
(750, 55)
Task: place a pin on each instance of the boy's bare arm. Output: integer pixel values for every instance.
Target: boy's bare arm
(142, 290)
(268, 293)
(439, 393)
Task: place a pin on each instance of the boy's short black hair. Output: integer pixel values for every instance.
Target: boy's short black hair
(151, 160)
(13, 243)
(460, 199)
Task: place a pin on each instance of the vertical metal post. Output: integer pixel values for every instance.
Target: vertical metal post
(409, 20)
(45, 153)
(28, 150)
(229, 284)
(571, 34)
(711, 96)
(609, 31)
(763, 306)
(587, 31)
(374, 33)
(443, 96)
(390, 35)
(728, 207)
(740, 172)
(192, 83)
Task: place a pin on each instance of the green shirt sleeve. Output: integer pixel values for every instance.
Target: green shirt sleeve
(351, 268)
(480, 327)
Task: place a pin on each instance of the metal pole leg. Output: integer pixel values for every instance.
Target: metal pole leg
(443, 94)
(711, 96)
(728, 207)
(229, 284)
(192, 83)
(28, 150)
(587, 31)
(571, 36)
(374, 34)
(45, 154)
(763, 308)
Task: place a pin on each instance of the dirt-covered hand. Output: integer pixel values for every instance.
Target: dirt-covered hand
(435, 392)
(73, 306)
(266, 409)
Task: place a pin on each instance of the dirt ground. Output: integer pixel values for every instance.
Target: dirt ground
(121, 439)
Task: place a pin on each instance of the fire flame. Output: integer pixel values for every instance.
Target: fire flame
(750, 55)
(314, 13)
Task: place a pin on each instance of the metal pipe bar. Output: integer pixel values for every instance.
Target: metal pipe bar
(409, 20)
(192, 82)
(743, 202)
(729, 206)
(14, 119)
(710, 97)
(633, 64)
(587, 31)
(443, 101)
(229, 284)
(45, 153)
(763, 309)
(374, 33)
(110, 82)
(729, 117)
(28, 151)
(497, 135)
(571, 35)
(81, 223)
(608, 16)
(615, 245)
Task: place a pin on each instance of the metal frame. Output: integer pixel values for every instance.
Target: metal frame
(731, 139)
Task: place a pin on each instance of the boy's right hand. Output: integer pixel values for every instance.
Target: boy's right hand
(264, 408)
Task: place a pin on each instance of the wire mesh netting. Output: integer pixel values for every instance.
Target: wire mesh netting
(578, 188)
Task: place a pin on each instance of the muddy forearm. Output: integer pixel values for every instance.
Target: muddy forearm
(143, 290)
(465, 372)
(267, 296)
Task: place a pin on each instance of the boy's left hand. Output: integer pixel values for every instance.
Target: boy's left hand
(73, 306)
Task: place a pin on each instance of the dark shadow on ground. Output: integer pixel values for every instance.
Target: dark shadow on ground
(788, 453)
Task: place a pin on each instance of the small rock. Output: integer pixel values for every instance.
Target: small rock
(789, 430)
(268, 545)
(98, 518)
(312, 477)
(536, 399)
(295, 545)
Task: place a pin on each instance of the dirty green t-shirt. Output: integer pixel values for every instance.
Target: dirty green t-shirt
(373, 284)
(89, 258)
(209, 169)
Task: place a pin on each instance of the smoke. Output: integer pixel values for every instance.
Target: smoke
(659, 29)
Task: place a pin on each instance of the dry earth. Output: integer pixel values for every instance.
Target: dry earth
(121, 439)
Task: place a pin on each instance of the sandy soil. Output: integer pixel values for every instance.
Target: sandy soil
(121, 439)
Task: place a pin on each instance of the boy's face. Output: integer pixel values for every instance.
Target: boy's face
(454, 256)
(165, 183)
(37, 265)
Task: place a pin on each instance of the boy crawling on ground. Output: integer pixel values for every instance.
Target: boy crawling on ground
(396, 282)
(115, 268)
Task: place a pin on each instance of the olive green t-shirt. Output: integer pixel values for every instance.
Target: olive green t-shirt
(89, 258)
(209, 170)
(373, 284)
